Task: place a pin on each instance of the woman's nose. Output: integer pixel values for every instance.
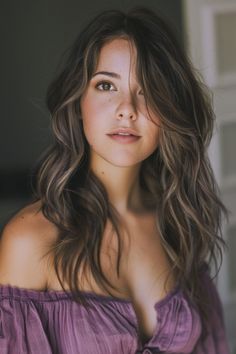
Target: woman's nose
(130, 115)
(126, 111)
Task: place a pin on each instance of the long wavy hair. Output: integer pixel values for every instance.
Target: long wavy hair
(178, 174)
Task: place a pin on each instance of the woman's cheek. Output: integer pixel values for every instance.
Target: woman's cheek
(100, 103)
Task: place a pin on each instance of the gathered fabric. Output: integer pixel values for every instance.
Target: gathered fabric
(51, 322)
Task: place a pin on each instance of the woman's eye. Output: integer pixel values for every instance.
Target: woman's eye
(105, 86)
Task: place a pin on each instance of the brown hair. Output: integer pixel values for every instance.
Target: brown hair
(189, 211)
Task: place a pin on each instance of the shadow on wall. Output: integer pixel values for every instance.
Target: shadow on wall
(15, 191)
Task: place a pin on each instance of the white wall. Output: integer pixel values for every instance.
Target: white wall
(210, 37)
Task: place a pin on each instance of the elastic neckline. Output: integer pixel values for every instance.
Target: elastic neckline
(51, 295)
(9, 291)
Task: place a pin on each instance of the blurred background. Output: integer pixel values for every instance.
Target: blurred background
(35, 35)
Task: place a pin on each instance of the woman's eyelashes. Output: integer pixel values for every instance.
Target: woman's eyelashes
(108, 86)
(105, 86)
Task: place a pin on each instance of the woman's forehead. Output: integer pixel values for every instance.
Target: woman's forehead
(118, 54)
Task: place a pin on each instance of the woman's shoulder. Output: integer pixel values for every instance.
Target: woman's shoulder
(24, 242)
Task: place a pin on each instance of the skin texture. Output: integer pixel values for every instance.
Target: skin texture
(113, 102)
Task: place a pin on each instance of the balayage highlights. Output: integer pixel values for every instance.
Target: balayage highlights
(177, 175)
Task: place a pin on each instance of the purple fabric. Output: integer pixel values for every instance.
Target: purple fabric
(38, 322)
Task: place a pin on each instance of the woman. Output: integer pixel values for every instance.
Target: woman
(111, 255)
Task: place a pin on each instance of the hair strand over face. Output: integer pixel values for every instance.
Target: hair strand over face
(185, 194)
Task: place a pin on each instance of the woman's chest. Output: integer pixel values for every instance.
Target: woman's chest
(144, 268)
(143, 262)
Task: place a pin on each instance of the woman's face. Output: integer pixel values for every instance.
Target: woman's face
(113, 100)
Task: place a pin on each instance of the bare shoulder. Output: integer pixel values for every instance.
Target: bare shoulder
(24, 241)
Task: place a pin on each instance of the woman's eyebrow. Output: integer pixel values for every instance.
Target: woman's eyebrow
(108, 73)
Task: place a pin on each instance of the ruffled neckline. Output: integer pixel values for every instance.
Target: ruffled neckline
(57, 295)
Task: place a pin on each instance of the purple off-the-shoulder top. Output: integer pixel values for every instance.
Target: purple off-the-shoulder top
(50, 322)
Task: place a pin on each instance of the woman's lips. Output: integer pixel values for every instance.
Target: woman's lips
(124, 139)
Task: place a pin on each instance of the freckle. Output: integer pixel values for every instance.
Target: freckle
(102, 172)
